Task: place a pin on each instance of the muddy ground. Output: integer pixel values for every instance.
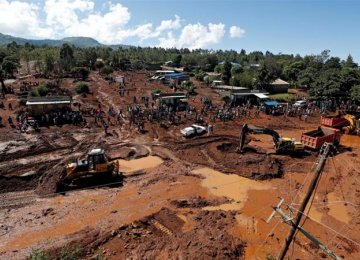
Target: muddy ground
(180, 198)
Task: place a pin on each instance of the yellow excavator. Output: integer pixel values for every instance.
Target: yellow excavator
(282, 144)
(354, 125)
(96, 164)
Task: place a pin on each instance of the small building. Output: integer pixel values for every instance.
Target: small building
(39, 105)
(227, 87)
(245, 95)
(177, 100)
(120, 79)
(177, 78)
(279, 86)
(215, 83)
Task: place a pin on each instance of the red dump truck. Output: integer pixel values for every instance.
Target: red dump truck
(316, 138)
(334, 121)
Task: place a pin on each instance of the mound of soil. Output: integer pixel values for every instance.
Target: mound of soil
(21, 183)
(160, 236)
(18, 183)
(197, 202)
(48, 182)
(220, 153)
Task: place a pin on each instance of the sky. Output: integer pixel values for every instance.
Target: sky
(302, 27)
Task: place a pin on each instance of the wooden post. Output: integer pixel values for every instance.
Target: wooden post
(324, 153)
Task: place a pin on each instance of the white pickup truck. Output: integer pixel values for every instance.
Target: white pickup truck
(193, 130)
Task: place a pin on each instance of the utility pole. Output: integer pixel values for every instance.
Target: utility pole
(290, 221)
(320, 163)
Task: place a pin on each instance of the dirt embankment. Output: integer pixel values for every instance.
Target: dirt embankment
(161, 235)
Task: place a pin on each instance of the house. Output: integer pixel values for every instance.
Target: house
(245, 95)
(177, 78)
(177, 100)
(40, 105)
(279, 86)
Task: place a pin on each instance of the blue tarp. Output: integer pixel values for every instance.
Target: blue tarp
(271, 103)
(177, 76)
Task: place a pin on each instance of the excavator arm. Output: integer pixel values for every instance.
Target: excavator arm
(257, 130)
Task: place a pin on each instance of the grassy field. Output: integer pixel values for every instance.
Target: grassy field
(282, 96)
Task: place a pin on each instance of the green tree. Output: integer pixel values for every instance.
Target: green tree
(332, 63)
(81, 87)
(80, 72)
(9, 67)
(236, 70)
(43, 90)
(66, 57)
(226, 73)
(177, 60)
(49, 63)
(187, 86)
(307, 77)
(327, 85)
(350, 77)
(106, 70)
(355, 93)
(293, 70)
(245, 80)
(349, 63)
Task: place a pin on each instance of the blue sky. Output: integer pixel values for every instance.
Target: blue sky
(287, 26)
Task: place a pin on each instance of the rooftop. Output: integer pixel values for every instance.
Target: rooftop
(279, 82)
(48, 100)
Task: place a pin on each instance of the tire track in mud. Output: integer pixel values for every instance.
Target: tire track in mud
(11, 200)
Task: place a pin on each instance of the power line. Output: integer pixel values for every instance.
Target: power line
(338, 233)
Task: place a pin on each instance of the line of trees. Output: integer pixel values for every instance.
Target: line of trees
(322, 75)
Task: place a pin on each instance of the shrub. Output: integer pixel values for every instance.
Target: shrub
(81, 87)
(70, 253)
(99, 64)
(43, 89)
(22, 101)
(156, 91)
(106, 70)
(38, 255)
(34, 93)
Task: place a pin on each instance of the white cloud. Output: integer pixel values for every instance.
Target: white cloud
(169, 25)
(168, 42)
(109, 24)
(236, 32)
(21, 19)
(194, 36)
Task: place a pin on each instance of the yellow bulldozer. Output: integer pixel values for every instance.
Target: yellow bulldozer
(96, 164)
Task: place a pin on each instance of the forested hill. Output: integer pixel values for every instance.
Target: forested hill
(76, 41)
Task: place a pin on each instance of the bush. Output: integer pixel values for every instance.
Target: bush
(38, 255)
(156, 91)
(99, 64)
(81, 87)
(80, 72)
(43, 89)
(34, 93)
(22, 102)
(106, 70)
(70, 253)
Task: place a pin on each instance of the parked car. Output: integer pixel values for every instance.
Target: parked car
(193, 130)
(300, 103)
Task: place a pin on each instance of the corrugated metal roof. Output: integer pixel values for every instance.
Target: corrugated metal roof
(49, 102)
(260, 95)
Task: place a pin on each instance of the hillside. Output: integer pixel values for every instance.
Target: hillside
(76, 41)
